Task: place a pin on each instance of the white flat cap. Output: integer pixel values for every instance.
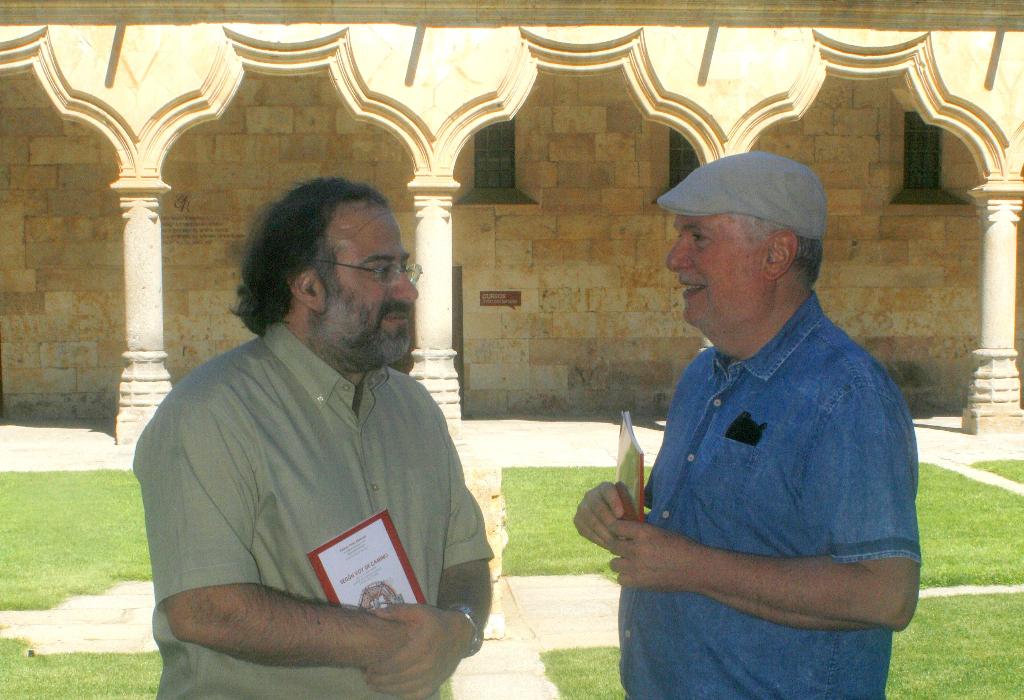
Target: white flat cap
(757, 184)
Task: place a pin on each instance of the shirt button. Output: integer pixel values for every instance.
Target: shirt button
(717, 402)
(629, 633)
(664, 515)
(375, 487)
(690, 457)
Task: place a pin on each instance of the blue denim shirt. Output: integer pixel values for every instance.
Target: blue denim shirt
(834, 472)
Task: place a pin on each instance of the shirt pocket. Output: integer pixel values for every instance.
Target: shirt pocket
(732, 469)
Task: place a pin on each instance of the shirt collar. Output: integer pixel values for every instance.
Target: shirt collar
(317, 378)
(769, 358)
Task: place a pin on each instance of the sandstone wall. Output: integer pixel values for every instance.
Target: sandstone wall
(61, 278)
(600, 327)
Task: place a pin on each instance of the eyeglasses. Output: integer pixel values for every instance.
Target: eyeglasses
(386, 274)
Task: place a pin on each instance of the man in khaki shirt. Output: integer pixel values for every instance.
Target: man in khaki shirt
(272, 449)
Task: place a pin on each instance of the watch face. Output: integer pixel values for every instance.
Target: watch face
(478, 639)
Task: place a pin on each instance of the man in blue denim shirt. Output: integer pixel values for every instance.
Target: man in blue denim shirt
(781, 548)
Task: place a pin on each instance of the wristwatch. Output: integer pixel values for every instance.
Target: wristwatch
(478, 637)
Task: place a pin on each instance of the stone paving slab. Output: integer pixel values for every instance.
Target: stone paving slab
(568, 611)
(117, 621)
(67, 446)
(539, 443)
(950, 591)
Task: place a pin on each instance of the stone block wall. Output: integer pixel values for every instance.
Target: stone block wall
(61, 275)
(600, 327)
(597, 331)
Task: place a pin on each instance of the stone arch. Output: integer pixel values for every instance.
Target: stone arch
(914, 59)
(433, 149)
(628, 52)
(141, 145)
(787, 106)
(1017, 152)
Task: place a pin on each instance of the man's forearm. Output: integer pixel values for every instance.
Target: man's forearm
(811, 592)
(266, 626)
(814, 592)
(467, 584)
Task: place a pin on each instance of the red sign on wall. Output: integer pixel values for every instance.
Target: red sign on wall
(510, 299)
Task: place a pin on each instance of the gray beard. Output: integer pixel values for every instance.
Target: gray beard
(368, 349)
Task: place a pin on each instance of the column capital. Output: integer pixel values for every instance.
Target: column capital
(140, 187)
(994, 190)
(434, 185)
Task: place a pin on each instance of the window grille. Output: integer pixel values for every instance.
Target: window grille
(682, 159)
(494, 157)
(922, 154)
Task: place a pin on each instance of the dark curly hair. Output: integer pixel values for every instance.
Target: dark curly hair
(287, 238)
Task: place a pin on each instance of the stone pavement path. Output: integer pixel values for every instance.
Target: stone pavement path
(119, 620)
(542, 613)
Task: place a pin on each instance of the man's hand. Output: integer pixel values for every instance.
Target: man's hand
(435, 641)
(653, 558)
(600, 508)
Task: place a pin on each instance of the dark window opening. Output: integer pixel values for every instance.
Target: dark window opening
(922, 154)
(494, 167)
(682, 159)
(922, 164)
(494, 157)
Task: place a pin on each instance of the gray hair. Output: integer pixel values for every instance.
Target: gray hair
(809, 251)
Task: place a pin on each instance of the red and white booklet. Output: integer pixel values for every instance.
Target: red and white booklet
(366, 566)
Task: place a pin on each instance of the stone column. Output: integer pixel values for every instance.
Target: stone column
(434, 361)
(993, 402)
(144, 381)
(433, 356)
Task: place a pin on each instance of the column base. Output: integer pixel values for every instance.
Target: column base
(484, 482)
(495, 627)
(993, 402)
(144, 384)
(435, 369)
(985, 420)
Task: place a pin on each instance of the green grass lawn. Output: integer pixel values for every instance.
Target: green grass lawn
(584, 674)
(965, 648)
(84, 675)
(83, 531)
(540, 504)
(970, 532)
(68, 533)
(1011, 469)
(76, 675)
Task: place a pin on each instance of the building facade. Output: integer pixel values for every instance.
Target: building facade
(137, 143)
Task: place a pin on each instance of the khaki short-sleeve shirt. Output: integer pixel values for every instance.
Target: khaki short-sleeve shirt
(257, 458)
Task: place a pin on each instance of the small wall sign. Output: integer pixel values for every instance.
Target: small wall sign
(504, 298)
